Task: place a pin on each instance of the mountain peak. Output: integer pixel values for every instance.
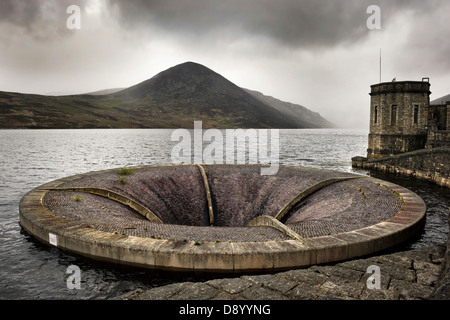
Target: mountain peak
(173, 98)
(187, 71)
(190, 65)
(186, 80)
(191, 88)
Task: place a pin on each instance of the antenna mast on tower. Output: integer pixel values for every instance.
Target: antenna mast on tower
(380, 65)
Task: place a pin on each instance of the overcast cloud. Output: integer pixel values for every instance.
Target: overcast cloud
(318, 53)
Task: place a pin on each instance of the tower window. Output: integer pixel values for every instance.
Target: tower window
(375, 116)
(416, 113)
(394, 114)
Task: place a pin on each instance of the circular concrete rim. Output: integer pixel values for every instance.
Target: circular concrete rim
(225, 257)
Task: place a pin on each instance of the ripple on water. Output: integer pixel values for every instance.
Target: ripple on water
(32, 270)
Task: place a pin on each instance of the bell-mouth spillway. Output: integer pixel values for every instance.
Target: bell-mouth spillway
(221, 218)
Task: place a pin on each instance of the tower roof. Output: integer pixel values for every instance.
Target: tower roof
(401, 87)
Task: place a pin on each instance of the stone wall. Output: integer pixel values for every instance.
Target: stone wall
(439, 138)
(406, 275)
(427, 164)
(405, 95)
(398, 117)
(448, 116)
(442, 290)
(438, 116)
(384, 145)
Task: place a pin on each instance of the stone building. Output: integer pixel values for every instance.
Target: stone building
(439, 125)
(408, 134)
(402, 119)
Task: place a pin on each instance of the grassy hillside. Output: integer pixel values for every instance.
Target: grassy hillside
(174, 98)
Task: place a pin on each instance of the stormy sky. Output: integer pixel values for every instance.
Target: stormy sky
(317, 53)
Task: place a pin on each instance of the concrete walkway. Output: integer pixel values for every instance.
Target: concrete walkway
(414, 274)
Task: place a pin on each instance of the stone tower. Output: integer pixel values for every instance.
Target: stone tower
(398, 117)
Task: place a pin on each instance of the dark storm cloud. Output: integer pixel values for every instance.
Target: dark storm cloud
(294, 41)
(306, 23)
(21, 13)
(40, 19)
(290, 23)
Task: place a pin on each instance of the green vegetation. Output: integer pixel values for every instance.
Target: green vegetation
(122, 180)
(360, 191)
(78, 198)
(125, 171)
(173, 99)
(122, 172)
(398, 195)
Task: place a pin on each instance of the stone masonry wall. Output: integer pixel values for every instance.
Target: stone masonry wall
(404, 129)
(436, 139)
(427, 164)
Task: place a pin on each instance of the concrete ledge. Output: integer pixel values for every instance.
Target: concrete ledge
(275, 223)
(406, 275)
(216, 256)
(119, 198)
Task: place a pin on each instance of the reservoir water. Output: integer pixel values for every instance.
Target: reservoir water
(29, 158)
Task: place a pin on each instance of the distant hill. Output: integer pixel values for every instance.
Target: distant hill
(174, 98)
(105, 91)
(302, 116)
(441, 100)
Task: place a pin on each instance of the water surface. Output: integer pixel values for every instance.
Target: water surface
(29, 158)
